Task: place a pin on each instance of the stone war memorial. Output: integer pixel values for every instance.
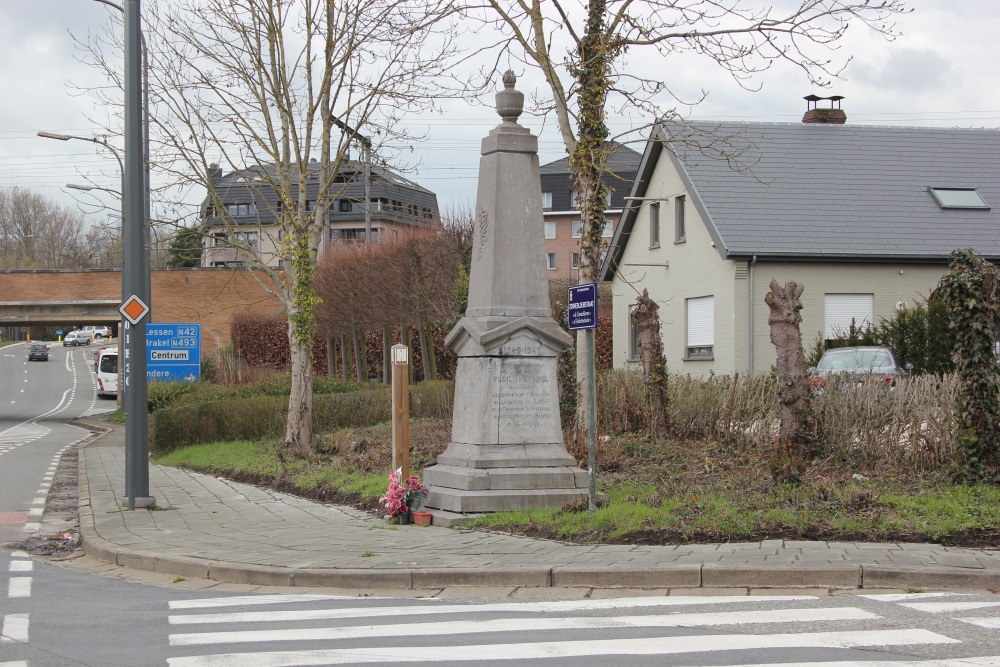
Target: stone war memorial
(506, 450)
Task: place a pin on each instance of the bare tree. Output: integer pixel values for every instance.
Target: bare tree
(794, 437)
(277, 90)
(37, 233)
(580, 50)
(654, 365)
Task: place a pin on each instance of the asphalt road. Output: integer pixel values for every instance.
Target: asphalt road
(37, 398)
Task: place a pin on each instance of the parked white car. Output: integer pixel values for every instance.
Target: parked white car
(97, 333)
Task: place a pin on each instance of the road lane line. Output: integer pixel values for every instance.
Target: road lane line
(15, 628)
(19, 587)
(21, 565)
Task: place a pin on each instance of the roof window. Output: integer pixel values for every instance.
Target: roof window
(958, 198)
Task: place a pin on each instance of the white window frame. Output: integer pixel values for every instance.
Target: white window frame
(609, 229)
(550, 261)
(634, 347)
(575, 259)
(546, 201)
(550, 229)
(654, 225)
(576, 228)
(680, 222)
(839, 309)
(700, 326)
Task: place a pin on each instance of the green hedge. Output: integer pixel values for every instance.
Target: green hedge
(191, 421)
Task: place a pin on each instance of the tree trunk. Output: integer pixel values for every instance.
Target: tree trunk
(360, 355)
(654, 364)
(793, 383)
(386, 354)
(426, 352)
(298, 433)
(345, 354)
(405, 339)
(588, 163)
(331, 355)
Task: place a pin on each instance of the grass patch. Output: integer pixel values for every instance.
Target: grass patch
(686, 492)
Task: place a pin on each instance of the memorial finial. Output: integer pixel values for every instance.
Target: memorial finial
(510, 102)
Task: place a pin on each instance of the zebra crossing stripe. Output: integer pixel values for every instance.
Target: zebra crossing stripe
(15, 628)
(437, 606)
(991, 661)
(567, 649)
(988, 622)
(944, 607)
(522, 624)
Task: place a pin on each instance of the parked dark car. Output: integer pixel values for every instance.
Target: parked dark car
(858, 362)
(38, 351)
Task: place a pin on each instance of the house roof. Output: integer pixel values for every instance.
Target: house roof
(621, 159)
(828, 192)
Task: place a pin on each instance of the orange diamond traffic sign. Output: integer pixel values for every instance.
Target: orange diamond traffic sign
(133, 309)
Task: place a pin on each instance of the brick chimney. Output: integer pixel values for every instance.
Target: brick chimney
(831, 116)
(214, 172)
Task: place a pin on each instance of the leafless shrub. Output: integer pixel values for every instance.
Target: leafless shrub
(867, 423)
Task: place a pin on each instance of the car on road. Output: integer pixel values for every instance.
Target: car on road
(38, 350)
(857, 363)
(75, 338)
(97, 333)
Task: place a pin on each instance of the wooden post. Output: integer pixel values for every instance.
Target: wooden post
(401, 410)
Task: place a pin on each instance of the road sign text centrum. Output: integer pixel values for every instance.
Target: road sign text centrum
(582, 306)
(173, 352)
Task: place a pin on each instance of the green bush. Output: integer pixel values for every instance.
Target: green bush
(206, 417)
(161, 394)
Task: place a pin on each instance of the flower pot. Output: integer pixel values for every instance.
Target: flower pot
(421, 518)
(404, 519)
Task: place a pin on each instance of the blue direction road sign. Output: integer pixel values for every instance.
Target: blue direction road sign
(583, 306)
(173, 352)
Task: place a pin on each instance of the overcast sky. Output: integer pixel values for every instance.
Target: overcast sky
(941, 71)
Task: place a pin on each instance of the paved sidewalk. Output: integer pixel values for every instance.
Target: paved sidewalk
(215, 529)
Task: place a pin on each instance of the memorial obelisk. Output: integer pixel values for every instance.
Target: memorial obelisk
(507, 449)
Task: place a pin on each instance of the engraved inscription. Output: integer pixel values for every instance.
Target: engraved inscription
(522, 401)
(484, 230)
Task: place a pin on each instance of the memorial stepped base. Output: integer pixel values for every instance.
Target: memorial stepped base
(499, 500)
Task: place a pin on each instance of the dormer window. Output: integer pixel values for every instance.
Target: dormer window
(960, 198)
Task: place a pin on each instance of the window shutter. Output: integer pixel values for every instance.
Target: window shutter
(840, 309)
(701, 321)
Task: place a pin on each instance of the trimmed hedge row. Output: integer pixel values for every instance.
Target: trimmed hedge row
(190, 422)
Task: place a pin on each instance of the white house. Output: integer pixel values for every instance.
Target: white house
(863, 217)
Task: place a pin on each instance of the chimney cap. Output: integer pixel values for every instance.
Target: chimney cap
(816, 98)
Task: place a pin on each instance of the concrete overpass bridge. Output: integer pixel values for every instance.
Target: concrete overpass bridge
(64, 298)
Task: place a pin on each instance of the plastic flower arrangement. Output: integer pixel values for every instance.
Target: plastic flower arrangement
(401, 497)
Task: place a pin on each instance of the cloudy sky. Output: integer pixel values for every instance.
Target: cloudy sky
(942, 71)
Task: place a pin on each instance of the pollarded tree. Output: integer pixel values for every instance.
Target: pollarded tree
(277, 91)
(580, 48)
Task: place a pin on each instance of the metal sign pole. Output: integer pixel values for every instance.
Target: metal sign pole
(133, 350)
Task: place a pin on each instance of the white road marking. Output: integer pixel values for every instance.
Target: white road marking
(21, 565)
(15, 628)
(990, 623)
(523, 624)
(19, 587)
(16, 663)
(567, 649)
(944, 607)
(896, 597)
(436, 606)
